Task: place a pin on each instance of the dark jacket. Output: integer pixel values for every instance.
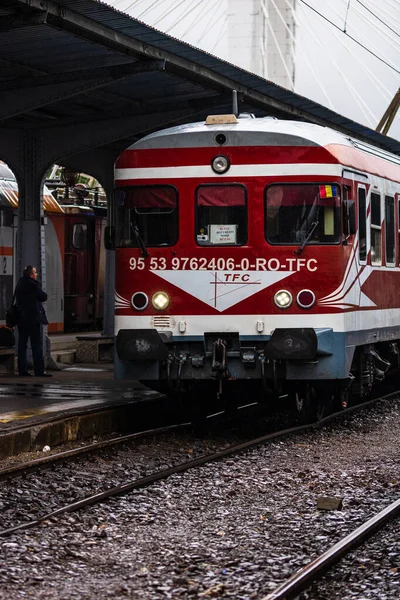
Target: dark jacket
(29, 297)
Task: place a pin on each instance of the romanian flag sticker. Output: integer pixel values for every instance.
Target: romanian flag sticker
(327, 191)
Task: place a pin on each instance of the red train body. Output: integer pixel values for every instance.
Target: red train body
(257, 250)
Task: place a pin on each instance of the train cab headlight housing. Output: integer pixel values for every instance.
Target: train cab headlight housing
(220, 164)
(139, 301)
(305, 299)
(283, 299)
(160, 300)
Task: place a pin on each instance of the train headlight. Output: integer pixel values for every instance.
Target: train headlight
(160, 300)
(139, 301)
(220, 164)
(305, 298)
(283, 299)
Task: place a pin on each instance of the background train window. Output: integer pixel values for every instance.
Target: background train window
(362, 224)
(79, 236)
(146, 215)
(390, 231)
(376, 230)
(298, 212)
(221, 215)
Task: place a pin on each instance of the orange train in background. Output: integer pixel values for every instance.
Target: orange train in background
(75, 258)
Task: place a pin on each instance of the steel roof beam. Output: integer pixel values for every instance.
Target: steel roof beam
(23, 19)
(44, 91)
(65, 19)
(73, 139)
(113, 73)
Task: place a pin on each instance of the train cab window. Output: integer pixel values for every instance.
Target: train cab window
(146, 216)
(362, 224)
(302, 213)
(376, 230)
(221, 215)
(390, 231)
(79, 236)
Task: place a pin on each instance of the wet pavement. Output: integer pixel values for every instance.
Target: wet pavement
(74, 390)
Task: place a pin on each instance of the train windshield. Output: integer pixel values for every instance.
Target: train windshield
(146, 215)
(221, 215)
(301, 214)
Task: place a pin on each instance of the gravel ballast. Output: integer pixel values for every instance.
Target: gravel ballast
(232, 529)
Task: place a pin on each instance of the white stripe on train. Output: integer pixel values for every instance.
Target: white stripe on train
(257, 170)
(196, 325)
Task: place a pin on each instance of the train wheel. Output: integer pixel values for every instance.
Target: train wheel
(311, 405)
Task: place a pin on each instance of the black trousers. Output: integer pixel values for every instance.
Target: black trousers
(34, 333)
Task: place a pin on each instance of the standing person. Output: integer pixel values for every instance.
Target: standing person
(29, 297)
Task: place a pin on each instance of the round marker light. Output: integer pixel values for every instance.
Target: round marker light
(160, 300)
(305, 298)
(220, 164)
(283, 299)
(139, 301)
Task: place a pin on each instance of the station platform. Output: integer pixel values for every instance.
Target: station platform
(79, 401)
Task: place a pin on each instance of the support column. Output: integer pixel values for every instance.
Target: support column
(30, 237)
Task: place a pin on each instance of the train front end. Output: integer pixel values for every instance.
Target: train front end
(228, 236)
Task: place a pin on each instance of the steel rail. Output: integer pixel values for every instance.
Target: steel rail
(48, 461)
(149, 479)
(320, 565)
(157, 476)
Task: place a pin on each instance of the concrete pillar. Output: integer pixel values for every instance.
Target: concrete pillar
(30, 237)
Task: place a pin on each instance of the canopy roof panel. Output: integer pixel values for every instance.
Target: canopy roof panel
(72, 62)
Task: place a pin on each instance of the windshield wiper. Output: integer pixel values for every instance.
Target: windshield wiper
(309, 233)
(139, 240)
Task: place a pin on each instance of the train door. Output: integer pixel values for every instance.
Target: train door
(79, 270)
(99, 258)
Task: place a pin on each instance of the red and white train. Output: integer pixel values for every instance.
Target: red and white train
(257, 251)
(75, 258)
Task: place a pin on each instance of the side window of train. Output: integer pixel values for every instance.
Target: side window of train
(362, 224)
(79, 236)
(221, 215)
(390, 234)
(376, 230)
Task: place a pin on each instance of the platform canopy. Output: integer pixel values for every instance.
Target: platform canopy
(82, 71)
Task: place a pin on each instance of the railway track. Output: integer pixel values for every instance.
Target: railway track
(156, 476)
(320, 565)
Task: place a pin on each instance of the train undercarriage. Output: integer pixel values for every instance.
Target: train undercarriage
(307, 367)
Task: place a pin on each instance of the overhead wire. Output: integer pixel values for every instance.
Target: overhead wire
(207, 27)
(188, 30)
(378, 18)
(148, 9)
(363, 106)
(184, 15)
(169, 11)
(351, 37)
(394, 5)
(390, 15)
(126, 8)
(377, 27)
(219, 33)
(369, 21)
